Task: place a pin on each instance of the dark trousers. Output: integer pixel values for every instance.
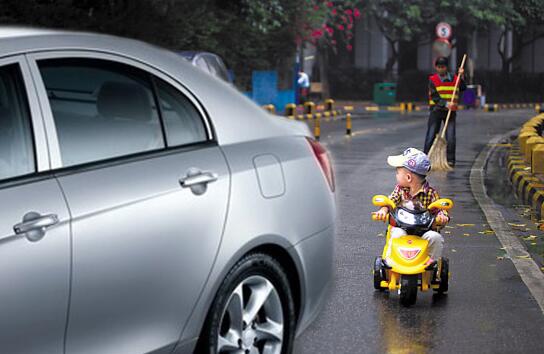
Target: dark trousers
(433, 127)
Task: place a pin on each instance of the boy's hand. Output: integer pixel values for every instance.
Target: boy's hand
(382, 213)
(441, 220)
(461, 72)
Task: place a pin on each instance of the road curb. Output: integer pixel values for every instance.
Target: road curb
(529, 188)
(525, 265)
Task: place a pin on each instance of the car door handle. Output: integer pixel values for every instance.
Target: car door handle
(34, 225)
(196, 179)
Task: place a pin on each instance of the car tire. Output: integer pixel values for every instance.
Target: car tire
(254, 277)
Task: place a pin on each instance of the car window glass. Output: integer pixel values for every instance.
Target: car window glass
(16, 144)
(183, 122)
(101, 109)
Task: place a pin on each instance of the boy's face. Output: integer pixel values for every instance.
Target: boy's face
(441, 69)
(404, 177)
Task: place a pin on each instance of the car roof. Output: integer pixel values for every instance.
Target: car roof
(235, 117)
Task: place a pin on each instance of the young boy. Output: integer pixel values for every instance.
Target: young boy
(412, 167)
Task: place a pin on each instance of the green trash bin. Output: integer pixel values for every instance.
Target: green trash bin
(385, 93)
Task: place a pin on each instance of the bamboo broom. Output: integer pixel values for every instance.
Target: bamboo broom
(438, 151)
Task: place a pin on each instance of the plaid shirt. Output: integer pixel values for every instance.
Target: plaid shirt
(425, 195)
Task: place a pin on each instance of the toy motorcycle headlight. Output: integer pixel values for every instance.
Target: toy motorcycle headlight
(411, 218)
(406, 217)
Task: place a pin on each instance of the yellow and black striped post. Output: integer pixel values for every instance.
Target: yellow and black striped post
(348, 109)
(329, 107)
(317, 126)
(491, 108)
(309, 109)
(290, 110)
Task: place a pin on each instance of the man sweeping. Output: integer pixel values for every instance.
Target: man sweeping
(441, 90)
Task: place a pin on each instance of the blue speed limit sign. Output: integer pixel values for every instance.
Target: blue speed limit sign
(443, 30)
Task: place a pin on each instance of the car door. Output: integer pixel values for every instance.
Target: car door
(147, 187)
(34, 224)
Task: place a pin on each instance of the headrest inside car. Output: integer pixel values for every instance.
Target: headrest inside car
(123, 100)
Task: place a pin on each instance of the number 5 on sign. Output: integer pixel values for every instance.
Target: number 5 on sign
(443, 30)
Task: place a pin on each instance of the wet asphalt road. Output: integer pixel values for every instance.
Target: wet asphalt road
(488, 308)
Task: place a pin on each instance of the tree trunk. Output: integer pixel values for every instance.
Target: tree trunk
(391, 61)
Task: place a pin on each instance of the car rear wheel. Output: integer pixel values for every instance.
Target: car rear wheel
(253, 312)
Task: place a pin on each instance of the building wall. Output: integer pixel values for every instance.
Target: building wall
(371, 50)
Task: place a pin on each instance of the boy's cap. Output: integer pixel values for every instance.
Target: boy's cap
(441, 61)
(412, 159)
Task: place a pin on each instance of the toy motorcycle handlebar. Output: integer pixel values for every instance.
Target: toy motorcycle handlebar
(375, 217)
(384, 201)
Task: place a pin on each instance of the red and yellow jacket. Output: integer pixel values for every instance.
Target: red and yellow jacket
(441, 90)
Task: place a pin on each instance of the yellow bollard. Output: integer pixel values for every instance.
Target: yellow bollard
(402, 107)
(309, 109)
(537, 161)
(348, 123)
(329, 105)
(270, 108)
(530, 145)
(410, 106)
(291, 110)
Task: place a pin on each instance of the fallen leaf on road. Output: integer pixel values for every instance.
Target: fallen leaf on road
(533, 243)
(465, 225)
(530, 238)
(454, 250)
(487, 232)
(380, 235)
(466, 234)
(523, 257)
(447, 232)
(500, 258)
(450, 227)
(516, 225)
(541, 227)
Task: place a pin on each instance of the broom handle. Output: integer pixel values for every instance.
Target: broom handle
(453, 98)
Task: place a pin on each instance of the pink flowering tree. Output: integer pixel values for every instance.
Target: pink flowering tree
(328, 25)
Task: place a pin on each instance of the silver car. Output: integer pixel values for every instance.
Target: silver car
(149, 207)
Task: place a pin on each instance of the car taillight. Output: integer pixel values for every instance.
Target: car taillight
(324, 161)
(409, 253)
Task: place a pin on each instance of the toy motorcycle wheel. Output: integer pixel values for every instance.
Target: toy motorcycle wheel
(378, 271)
(408, 290)
(444, 276)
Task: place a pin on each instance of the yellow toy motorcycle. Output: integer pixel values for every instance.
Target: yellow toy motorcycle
(405, 266)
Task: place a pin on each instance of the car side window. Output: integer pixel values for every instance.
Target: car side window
(101, 109)
(16, 143)
(182, 121)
